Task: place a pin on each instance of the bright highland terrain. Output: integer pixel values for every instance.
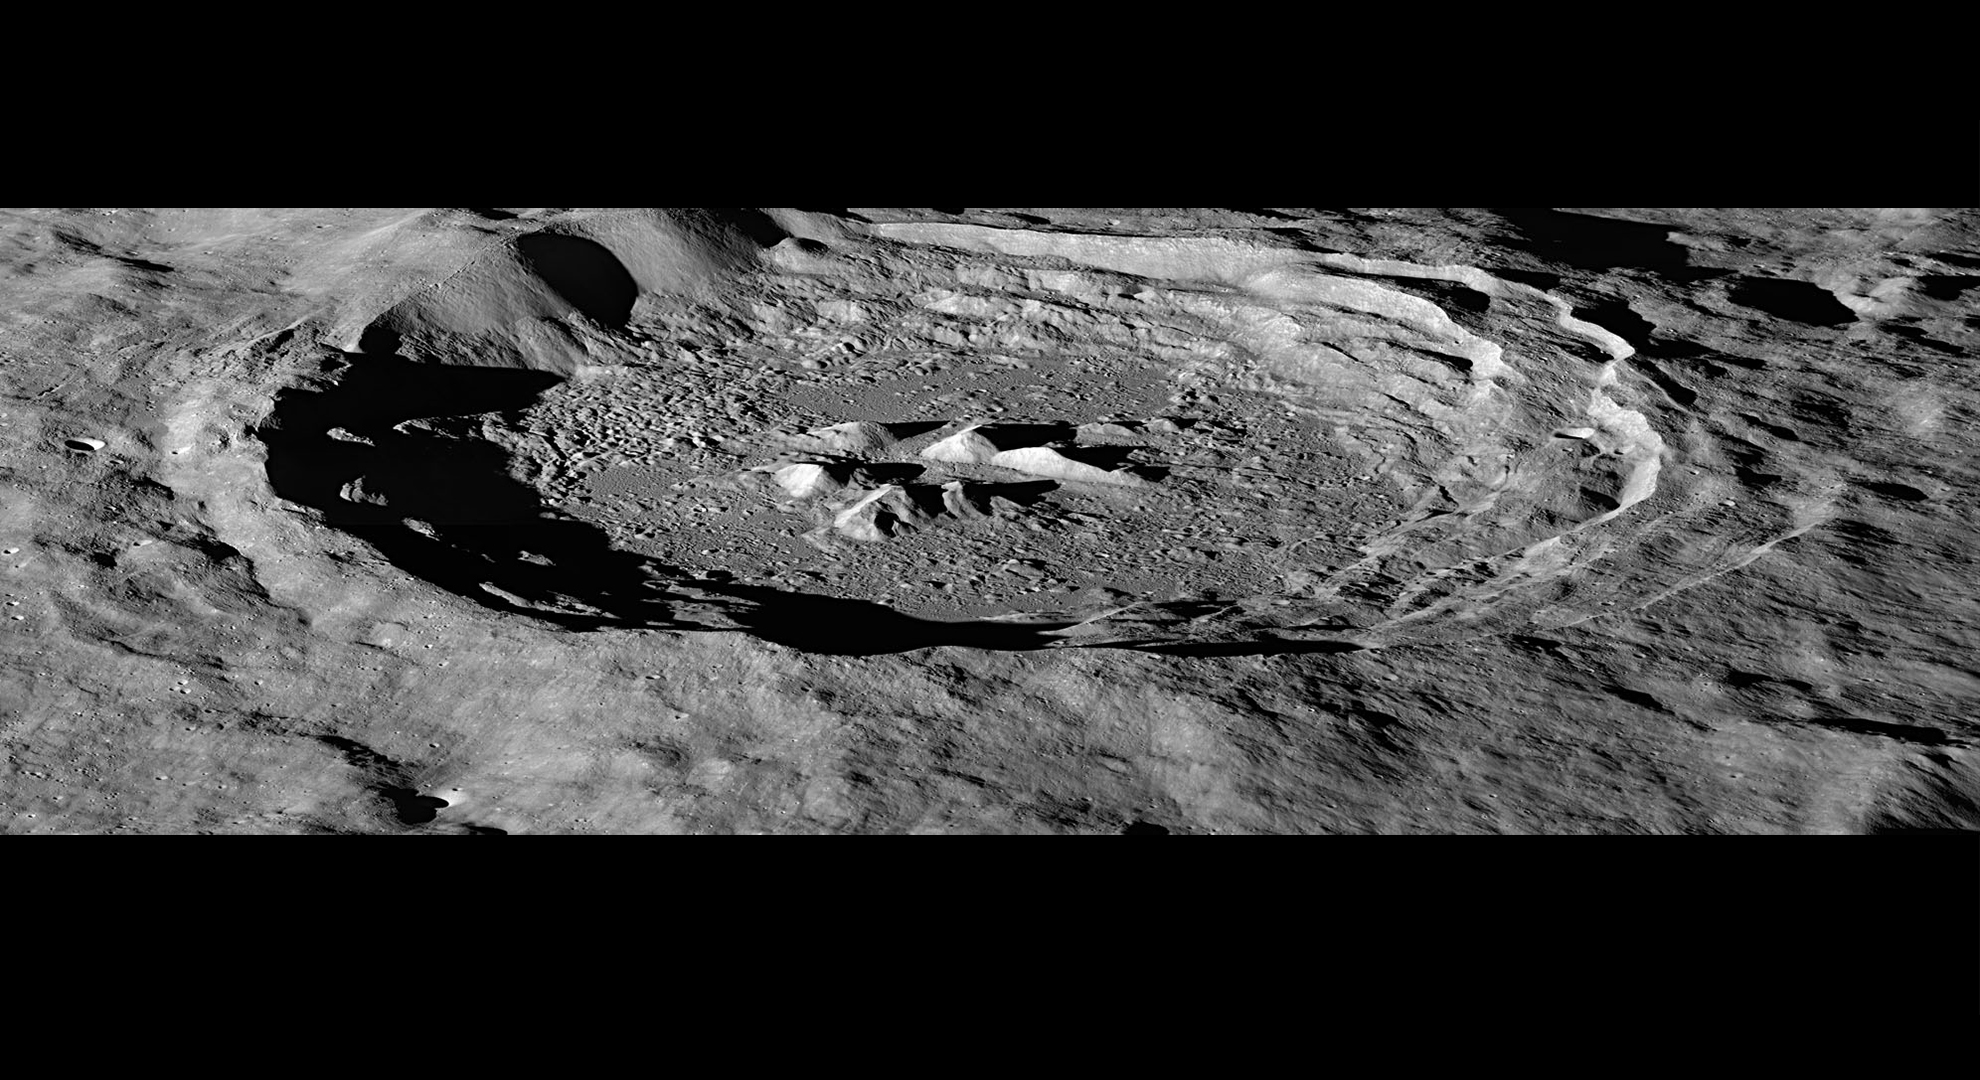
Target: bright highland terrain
(482, 521)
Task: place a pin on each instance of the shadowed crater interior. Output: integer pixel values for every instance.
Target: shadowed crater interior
(439, 503)
(584, 273)
(1799, 301)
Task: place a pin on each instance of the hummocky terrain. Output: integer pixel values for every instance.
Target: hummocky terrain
(476, 521)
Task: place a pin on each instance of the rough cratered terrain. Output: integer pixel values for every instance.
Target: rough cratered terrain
(1040, 520)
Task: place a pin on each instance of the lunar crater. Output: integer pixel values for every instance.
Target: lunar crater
(1315, 438)
(1143, 521)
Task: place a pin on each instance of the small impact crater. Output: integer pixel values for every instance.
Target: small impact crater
(1900, 492)
(584, 273)
(1799, 301)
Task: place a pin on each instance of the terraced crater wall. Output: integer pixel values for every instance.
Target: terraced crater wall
(1413, 451)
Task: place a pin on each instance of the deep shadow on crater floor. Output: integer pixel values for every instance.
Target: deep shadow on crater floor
(484, 528)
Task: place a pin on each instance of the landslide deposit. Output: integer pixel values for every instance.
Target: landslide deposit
(473, 521)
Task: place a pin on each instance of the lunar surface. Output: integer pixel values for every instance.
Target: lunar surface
(894, 520)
